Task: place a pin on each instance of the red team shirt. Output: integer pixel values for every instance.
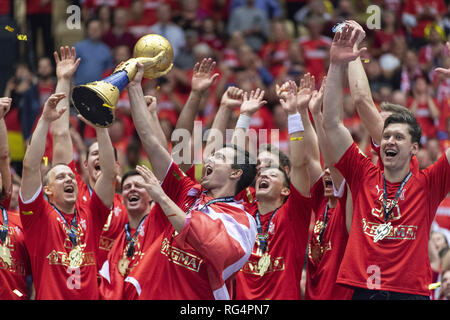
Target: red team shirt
(399, 261)
(322, 270)
(288, 237)
(200, 261)
(114, 223)
(13, 276)
(48, 244)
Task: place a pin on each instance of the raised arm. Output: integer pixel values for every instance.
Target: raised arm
(31, 172)
(361, 93)
(231, 99)
(202, 79)
(66, 65)
(295, 105)
(5, 170)
(159, 157)
(251, 103)
(341, 53)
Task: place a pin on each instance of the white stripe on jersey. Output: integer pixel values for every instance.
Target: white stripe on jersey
(135, 283)
(221, 293)
(104, 271)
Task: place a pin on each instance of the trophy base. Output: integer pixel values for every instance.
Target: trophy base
(93, 106)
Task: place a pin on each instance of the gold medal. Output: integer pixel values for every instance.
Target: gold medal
(75, 257)
(316, 252)
(122, 266)
(263, 264)
(5, 255)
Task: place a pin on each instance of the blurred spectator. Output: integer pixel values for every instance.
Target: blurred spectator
(190, 15)
(417, 14)
(424, 159)
(185, 59)
(410, 70)
(293, 66)
(445, 284)
(140, 21)
(434, 149)
(39, 19)
(272, 8)
(89, 7)
(398, 97)
(169, 30)
(315, 48)
(389, 32)
(15, 89)
(118, 34)
(429, 55)
(105, 15)
(313, 8)
(424, 107)
(344, 11)
(252, 22)
(275, 51)
(35, 97)
(252, 62)
(209, 35)
(95, 55)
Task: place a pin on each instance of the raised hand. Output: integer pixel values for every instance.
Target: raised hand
(305, 90)
(357, 26)
(49, 112)
(282, 90)
(137, 79)
(443, 71)
(288, 100)
(232, 98)
(66, 65)
(252, 102)
(315, 104)
(5, 105)
(151, 184)
(202, 78)
(341, 51)
(150, 101)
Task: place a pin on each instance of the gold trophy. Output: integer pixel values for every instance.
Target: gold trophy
(96, 101)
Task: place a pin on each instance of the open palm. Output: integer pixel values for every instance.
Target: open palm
(341, 51)
(202, 78)
(66, 65)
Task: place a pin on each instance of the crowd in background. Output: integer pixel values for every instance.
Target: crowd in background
(256, 44)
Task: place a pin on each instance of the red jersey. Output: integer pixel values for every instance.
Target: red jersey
(288, 237)
(399, 262)
(113, 281)
(14, 271)
(200, 261)
(443, 213)
(114, 223)
(48, 244)
(423, 116)
(326, 250)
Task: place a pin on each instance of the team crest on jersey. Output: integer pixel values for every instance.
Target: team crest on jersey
(379, 213)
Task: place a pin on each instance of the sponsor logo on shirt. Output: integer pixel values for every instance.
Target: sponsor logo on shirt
(180, 257)
(400, 232)
(105, 243)
(62, 258)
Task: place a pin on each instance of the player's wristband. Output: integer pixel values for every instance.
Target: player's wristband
(295, 123)
(243, 122)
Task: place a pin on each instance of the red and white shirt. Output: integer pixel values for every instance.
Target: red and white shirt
(48, 244)
(399, 262)
(322, 268)
(199, 262)
(287, 241)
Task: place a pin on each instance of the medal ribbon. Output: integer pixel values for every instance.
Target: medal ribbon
(4, 227)
(263, 236)
(73, 232)
(222, 199)
(324, 223)
(397, 195)
(132, 239)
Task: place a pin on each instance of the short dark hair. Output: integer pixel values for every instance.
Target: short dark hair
(284, 160)
(248, 166)
(406, 117)
(394, 108)
(126, 175)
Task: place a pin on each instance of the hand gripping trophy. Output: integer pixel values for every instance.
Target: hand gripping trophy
(96, 101)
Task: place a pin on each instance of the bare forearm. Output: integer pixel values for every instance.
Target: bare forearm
(159, 133)
(362, 98)
(4, 157)
(157, 154)
(174, 214)
(62, 143)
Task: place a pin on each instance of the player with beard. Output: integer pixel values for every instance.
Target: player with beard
(202, 236)
(61, 234)
(283, 207)
(387, 252)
